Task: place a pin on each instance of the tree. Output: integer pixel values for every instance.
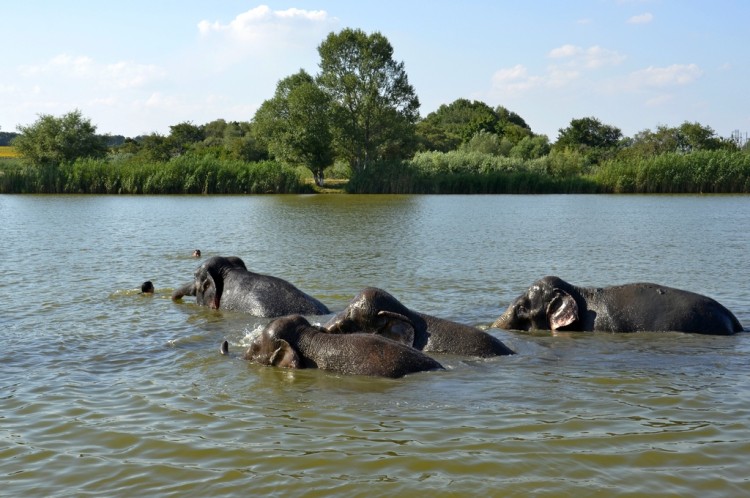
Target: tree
(694, 136)
(588, 133)
(686, 138)
(155, 147)
(51, 141)
(183, 136)
(6, 137)
(531, 147)
(295, 124)
(506, 117)
(456, 123)
(484, 142)
(374, 108)
(589, 137)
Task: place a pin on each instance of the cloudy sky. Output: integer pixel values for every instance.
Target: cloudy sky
(136, 67)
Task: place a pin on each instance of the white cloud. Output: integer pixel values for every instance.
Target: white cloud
(120, 74)
(513, 80)
(262, 27)
(641, 19)
(674, 75)
(592, 57)
(564, 51)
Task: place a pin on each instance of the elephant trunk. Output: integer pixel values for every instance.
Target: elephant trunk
(504, 321)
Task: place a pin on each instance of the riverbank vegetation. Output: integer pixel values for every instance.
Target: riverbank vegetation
(356, 127)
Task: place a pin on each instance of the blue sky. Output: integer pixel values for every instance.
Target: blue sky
(137, 67)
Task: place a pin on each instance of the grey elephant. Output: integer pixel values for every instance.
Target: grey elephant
(292, 342)
(225, 283)
(376, 311)
(553, 304)
(188, 289)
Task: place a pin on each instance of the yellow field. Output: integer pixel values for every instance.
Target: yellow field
(7, 151)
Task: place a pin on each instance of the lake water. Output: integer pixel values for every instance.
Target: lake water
(106, 392)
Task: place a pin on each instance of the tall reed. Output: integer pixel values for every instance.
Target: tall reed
(181, 175)
(461, 172)
(717, 171)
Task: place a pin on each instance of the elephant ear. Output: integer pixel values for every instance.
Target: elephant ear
(212, 277)
(285, 356)
(396, 327)
(562, 310)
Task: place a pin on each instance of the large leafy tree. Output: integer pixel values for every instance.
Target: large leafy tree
(456, 123)
(51, 141)
(295, 124)
(374, 108)
(462, 121)
(183, 136)
(588, 133)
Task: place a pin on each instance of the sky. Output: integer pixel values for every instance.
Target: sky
(140, 66)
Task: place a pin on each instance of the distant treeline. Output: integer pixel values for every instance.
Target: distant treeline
(357, 121)
(6, 137)
(454, 172)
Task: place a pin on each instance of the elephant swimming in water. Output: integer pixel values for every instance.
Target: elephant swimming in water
(225, 283)
(553, 304)
(292, 342)
(376, 311)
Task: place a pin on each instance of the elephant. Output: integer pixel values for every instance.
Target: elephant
(292, 342)
(376, 311)
(225, 283)
(553, 304)
(188, 289)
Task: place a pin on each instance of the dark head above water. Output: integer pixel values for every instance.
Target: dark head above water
(551, 303)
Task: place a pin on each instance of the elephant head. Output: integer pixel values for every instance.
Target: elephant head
(548, 304)
(375, 311)
(272, 346)
(208, 281)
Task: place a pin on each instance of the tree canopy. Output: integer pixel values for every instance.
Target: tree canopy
(374, 108)
(588, 133)
(51, 141)
(456, 124)
(295, 124)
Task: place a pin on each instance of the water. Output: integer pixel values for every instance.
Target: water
(106, 392)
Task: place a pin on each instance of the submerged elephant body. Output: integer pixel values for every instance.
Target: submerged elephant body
(375, 311)
(292, 342)
(553, 304)
(225, 283)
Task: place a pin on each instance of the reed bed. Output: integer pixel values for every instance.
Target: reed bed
(456, 172)
(459, 172)
(182, 175)
(717, 171)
